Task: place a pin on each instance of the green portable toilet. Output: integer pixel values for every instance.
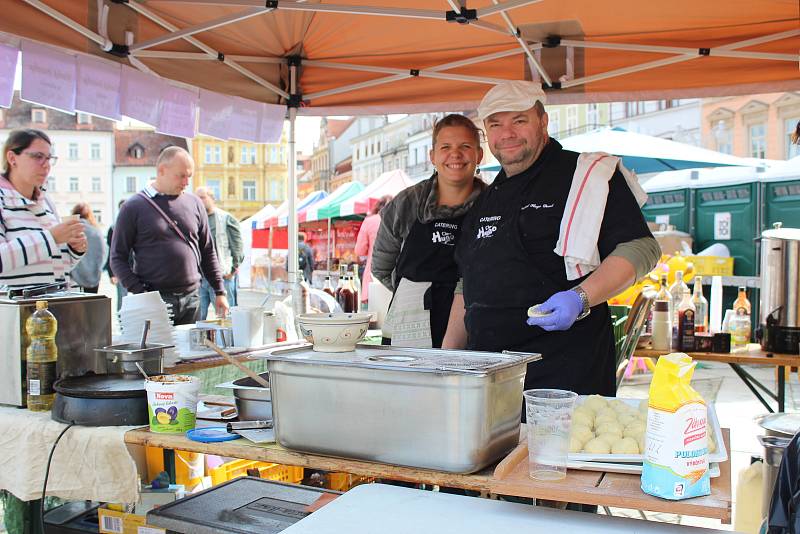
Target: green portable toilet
(728, 213)
(669, 199)
(781, 195)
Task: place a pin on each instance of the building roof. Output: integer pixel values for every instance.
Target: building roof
(336, 127)
(19, 116)
(344, 166)
(151, 144)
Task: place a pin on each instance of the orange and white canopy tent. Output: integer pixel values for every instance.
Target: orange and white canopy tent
(377, 56)
(322, 57)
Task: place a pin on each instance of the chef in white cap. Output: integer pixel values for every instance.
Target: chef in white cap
(508, 259)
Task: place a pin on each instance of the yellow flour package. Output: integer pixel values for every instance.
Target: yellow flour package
(676, 441)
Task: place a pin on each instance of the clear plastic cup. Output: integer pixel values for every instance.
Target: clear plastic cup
(549, 413)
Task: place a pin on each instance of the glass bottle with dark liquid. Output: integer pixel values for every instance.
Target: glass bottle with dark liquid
(340, 285)
(346, 295)
(328, 287)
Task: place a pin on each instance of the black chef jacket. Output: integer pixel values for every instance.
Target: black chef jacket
(505, 256)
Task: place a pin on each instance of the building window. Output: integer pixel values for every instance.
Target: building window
(592, 119)
(38, 116)
(74, 184)
(274, 190)
(215, 187)
(758, 140)
(792, 149)
(723, 137)
(209, 154)
(274, 155)
(572, 118)
(218, 154)
(84, 118)
(73, 151)
(98, 216)
(96, 184)
(51, 183)
(130, 184)
(248, 155)
(249, 190)
(95, 151)
(136, 151)
(554, 126)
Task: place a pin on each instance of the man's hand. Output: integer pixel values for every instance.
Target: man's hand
(221, 306)
(114, 280)
(231, 275)
(562, 309)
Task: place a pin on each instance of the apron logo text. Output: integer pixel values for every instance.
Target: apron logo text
(537, 206)
(445, 238)
(486, 231)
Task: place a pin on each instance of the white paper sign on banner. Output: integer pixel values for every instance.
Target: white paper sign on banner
(215, 114)
(140, 96)
(178, 112)
(98, 88)
(272, 118)
(48, 77)
(8, 68)
(246, 120)
(722, 226)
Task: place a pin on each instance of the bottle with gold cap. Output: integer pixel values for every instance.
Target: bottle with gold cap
(42, 355)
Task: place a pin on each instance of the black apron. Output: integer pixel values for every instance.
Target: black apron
(427, 256)
(507, 262)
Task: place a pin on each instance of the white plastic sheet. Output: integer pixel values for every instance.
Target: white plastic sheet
(141, 95)
(8, 67)
(48, 77)
(98, 84)
(178, 112)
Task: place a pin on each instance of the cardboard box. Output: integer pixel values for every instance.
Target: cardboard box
(116, 522)
(670, 241)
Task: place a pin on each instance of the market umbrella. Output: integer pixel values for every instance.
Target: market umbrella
(388, 183)
(329, 208)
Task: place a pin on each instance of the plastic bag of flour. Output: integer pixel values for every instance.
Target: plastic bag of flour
(676, 440)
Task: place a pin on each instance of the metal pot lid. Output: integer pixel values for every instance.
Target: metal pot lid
(101, 387)
(787, 234)
(785, 423)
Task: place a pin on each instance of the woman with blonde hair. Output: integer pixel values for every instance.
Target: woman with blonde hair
(35, 246)
(87, 273)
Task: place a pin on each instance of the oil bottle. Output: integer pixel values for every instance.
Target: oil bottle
(356, 281)
(41, 355)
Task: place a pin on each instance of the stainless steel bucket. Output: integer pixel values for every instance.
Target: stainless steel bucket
(779, 323)
(773, 454)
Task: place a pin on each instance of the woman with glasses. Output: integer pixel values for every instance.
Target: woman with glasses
(35, 246)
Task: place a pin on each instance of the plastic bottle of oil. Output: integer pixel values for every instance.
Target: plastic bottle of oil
(42, 355)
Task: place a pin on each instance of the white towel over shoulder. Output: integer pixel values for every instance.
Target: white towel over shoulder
(583, 213)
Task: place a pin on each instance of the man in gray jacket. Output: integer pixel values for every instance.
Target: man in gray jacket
(227, 238)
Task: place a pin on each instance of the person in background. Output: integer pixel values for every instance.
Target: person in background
(86, 273)
(166, 230)
(418, 234)
(366, 241)
(227, 238)
(305, 259)
(121, 291)
(35, 246)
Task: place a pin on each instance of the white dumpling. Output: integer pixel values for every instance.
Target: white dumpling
(575, 445)
(582, 433)
(625, 446)
(610, 427)
(627, 418)
(609, 438)
(583, 409)
(618, 405)
(595, 402)
(581, 418)
(634, 430)
(597, 446)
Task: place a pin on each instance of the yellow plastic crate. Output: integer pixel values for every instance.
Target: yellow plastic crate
(712, 265)
(239, 468)
(346, 481)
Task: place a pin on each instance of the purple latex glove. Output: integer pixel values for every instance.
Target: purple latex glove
(562, 309)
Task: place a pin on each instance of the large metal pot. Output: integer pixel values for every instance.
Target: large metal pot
(779, 320)
(773, 455)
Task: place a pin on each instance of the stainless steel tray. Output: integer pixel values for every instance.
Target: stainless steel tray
(453, 411)
(388, 358)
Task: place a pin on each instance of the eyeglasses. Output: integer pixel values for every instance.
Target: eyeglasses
(41, 158)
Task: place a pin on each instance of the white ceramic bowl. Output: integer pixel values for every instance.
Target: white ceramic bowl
(333, 332)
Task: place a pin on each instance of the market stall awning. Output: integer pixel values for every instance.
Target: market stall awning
(329, 207)
(257, 219)
(389, 183)
(375, 56)
(281, 215)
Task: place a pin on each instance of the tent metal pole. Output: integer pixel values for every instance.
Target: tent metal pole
(157, 54)
(139, 8)
(329, 245)
(482, 24)
(68, 22)
(761, 40)
(628, 70)
(210, 25)
(291, 261)
(714, 52)
(269, 260)
(512, 30)
(502, 7)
